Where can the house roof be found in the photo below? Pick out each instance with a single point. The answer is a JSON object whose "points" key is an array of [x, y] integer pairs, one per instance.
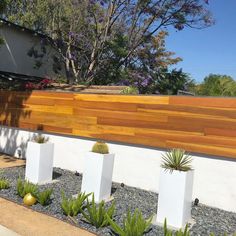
{"points": [[34, 32]]}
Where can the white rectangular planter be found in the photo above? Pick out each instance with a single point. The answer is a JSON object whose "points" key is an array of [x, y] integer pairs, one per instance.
{"points": [[39, 162], [97, 175], [175, 198]]}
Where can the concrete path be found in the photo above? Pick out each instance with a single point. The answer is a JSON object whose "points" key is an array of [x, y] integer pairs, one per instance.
{"points": [[6, 232], [8, 161], [27, 222]]}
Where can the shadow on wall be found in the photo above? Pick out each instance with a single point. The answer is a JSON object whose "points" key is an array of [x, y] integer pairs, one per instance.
{"points": [[13, 113]]}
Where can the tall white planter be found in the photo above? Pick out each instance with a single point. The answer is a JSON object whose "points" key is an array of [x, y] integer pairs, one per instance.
{"points": [[97, 175], [39, 162], [175, 198]]}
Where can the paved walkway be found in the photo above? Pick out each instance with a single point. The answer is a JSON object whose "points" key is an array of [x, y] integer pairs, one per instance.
{"points": [[8, 161], [6, 232], [27, 222]]}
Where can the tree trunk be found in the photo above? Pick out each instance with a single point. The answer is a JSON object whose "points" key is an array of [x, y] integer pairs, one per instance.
{"points": [[69, 78]]}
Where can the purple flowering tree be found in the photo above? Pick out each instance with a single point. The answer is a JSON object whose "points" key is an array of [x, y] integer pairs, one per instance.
{"points": [[83, 30]]}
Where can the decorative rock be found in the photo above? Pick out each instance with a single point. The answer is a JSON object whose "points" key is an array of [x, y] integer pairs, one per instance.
{"points": [[208, 219], [29, 199]]}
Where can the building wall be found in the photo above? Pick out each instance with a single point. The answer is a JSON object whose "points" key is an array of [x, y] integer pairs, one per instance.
{"points": [[14, 56], [214, 177], [136, 128]]}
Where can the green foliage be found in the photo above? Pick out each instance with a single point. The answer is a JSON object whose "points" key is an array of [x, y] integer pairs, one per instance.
{"points": [[170, 82], [73, 206], [176, 159], [3, 5], [133, 225], [1, 41], [40, 138], [4, 184], [98, 41], [24, 187], [100, 147], [98, 215], [217, 85], [130, 90], [168, 232], [44, 197]]}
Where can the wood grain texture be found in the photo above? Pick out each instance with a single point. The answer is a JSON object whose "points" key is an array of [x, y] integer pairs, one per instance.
{"points": [[202, 125]]}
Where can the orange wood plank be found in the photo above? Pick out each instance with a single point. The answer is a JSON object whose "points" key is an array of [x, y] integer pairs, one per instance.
{"points": [[198, 124], [203, 101]]}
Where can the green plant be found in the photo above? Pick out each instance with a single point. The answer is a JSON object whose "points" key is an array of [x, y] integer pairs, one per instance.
{"points": [[24, 187], [168, 232], [133, 225], [176, 159], [44, 197], [98, 215], [100, 147], [40, 138], [73, 206], [4, 184], [130, 90]]}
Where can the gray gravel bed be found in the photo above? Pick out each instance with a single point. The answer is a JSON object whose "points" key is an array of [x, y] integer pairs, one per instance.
{"points": [[207, 219]]}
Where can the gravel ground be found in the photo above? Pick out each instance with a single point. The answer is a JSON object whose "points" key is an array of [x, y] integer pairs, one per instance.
{"points": [[207, 219]]}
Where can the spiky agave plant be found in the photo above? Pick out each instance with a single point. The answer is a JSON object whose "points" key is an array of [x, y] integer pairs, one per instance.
{"points": [[168, 232], [40, 138], [133, 224], [4, 184], [98, 215], [176, 159]]}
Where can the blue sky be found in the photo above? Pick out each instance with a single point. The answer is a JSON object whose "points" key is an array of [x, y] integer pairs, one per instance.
{"points": [[210, 50]]}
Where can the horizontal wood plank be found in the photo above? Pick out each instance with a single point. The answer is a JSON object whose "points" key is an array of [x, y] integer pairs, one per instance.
{"points": [[197, 124]]}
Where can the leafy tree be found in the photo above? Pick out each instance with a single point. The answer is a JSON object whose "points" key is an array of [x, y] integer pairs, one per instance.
{"points": [[217, 85], [89, 34], [2, 8], [162, 81], [171, 82], [150, 58]]}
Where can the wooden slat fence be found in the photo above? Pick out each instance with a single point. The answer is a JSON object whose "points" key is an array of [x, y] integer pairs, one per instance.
{"points": [[202, 125]]}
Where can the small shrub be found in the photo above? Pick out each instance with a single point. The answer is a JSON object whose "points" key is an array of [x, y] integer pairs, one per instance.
{"points": [[40, 138], [44, 197], [133, 225], [130, 90], [176, 159], [168, 232], [100, 147], [98, 215], [24, 187], [4, 184], [73, 206]]}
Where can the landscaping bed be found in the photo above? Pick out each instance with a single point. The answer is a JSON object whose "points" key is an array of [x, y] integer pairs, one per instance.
{"points": [[206, 219]]}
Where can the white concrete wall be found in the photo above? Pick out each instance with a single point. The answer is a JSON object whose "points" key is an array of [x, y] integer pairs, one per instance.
{"points": [[14, 56], [214, 180]]}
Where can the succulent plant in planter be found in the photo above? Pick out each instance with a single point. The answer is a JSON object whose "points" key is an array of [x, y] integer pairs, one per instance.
{"points": [[39, 160], [40, 138], [175, 189], [98, 169], [100, 147], [176, 159]]}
